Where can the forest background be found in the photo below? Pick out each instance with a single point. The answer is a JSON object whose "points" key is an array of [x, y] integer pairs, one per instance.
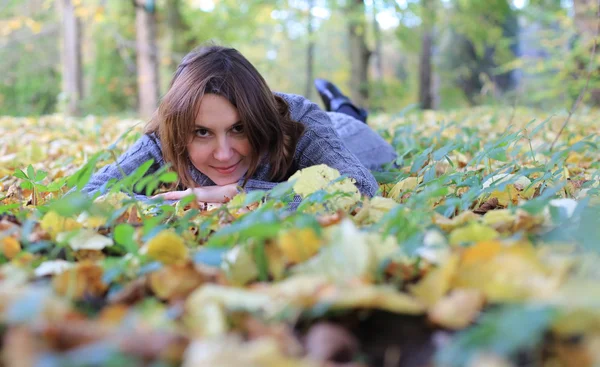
{"points": [[117, 56]]}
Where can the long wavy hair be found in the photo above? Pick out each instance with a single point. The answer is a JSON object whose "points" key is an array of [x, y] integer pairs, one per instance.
{"points": [[226, 72]]}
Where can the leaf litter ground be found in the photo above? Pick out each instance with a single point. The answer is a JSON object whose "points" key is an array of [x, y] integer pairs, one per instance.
{"points": [[481, 249]]}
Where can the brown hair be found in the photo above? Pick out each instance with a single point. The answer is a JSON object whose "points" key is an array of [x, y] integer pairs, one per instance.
{"points": [[224, 71]]}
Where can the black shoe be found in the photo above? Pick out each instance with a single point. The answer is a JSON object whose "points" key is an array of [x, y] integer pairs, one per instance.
{"points": [[332, 97]]}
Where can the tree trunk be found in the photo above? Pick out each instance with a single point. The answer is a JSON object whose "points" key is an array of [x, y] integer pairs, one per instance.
{"points": [[586, 22], [176, 28], [378, 44], [425, 64], [585, 18], [359, 53], [72, 81], [310, 52], [147, 58]]}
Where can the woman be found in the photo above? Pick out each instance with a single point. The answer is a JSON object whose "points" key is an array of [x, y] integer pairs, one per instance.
{"points": [[220, 127]]}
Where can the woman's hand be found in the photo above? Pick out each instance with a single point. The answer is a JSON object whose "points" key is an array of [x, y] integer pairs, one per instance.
{"points": [[206, 194]]}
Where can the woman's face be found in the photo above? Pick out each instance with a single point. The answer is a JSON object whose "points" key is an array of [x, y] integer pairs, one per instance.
{"points": [[219, 147]]}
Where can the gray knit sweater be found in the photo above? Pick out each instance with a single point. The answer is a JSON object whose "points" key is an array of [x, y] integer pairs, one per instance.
{"points": [[320, 144]]}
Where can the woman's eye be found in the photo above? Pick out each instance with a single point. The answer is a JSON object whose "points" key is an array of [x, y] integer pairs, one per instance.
{"points": [[201, 132], [237, 129]]}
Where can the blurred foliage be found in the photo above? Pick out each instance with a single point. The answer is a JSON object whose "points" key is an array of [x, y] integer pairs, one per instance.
{"points": [[485, 52]]}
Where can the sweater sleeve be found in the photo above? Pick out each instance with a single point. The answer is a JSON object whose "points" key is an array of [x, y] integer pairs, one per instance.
{"points": [[144, 149]]}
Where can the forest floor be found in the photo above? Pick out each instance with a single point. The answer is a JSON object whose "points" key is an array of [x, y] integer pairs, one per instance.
{"points": [[480, 250]]}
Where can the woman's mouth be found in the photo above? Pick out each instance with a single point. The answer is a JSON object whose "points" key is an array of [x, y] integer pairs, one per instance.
{"points": [[226, 170]]}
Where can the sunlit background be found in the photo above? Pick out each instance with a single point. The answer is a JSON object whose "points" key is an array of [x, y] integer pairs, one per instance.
{"points": [[386, 55]]}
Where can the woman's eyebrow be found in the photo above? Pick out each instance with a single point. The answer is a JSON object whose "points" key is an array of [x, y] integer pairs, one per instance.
{"points": [[207, 128]]}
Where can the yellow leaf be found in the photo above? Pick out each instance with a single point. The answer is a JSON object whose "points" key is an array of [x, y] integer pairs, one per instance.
{"points": [[408, 184], [505, 272], [10, 247], [371, 296], [501, 220], [348, 254], [167, 247], [54, 224], [481, 252], [239, 265], [85, 239], [436, 283], [319, 177], [374, 209], [472, 232], [230, 351], [299, 245], [175, 281], [85, 279], [450, 224], [458, 309]]}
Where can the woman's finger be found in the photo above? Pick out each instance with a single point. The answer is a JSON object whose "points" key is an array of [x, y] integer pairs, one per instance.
{"points": [[174, 195]]}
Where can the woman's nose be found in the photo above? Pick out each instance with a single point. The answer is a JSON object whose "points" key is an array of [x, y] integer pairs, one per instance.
{"points": [[223, 152]]}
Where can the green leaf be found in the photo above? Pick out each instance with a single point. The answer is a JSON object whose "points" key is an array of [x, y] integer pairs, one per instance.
{"points": [[55, 186], [30, 172], [27, 185], [168, 177], [20, 174], [443, 151], [540, 126], [71, 204], [253, 197], [40, 175], [262, 263], [83, 175], [123, 235]]}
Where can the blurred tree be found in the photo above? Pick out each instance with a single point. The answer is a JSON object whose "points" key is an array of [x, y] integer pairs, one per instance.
{"points": [[480, 37], [72, 79], [587, 24], [359, 52], [110, 72], [177, 30], [310, 50], [428, 10], [378, 49], [147, 57], [29, 57]]}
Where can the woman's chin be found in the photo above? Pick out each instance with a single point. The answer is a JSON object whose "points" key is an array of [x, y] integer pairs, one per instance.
{"points": [[222, 181]]}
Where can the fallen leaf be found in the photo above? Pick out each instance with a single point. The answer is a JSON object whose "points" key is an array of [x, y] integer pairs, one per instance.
{"points": [[298, 245], [175, 281], [472, 232], [10, 247], [85, 279], [319, 177], [167, 247], [458, 309]]}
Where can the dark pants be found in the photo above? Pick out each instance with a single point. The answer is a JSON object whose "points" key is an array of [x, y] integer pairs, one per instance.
{"points": [[351, 111]]}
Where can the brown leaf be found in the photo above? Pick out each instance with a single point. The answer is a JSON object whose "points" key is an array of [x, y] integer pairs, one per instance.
{"points": [[175, 282], [134, 218], [62, 335], [491, 204], [150, 346], [133, 292], [330, 219], [85, 279]]}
